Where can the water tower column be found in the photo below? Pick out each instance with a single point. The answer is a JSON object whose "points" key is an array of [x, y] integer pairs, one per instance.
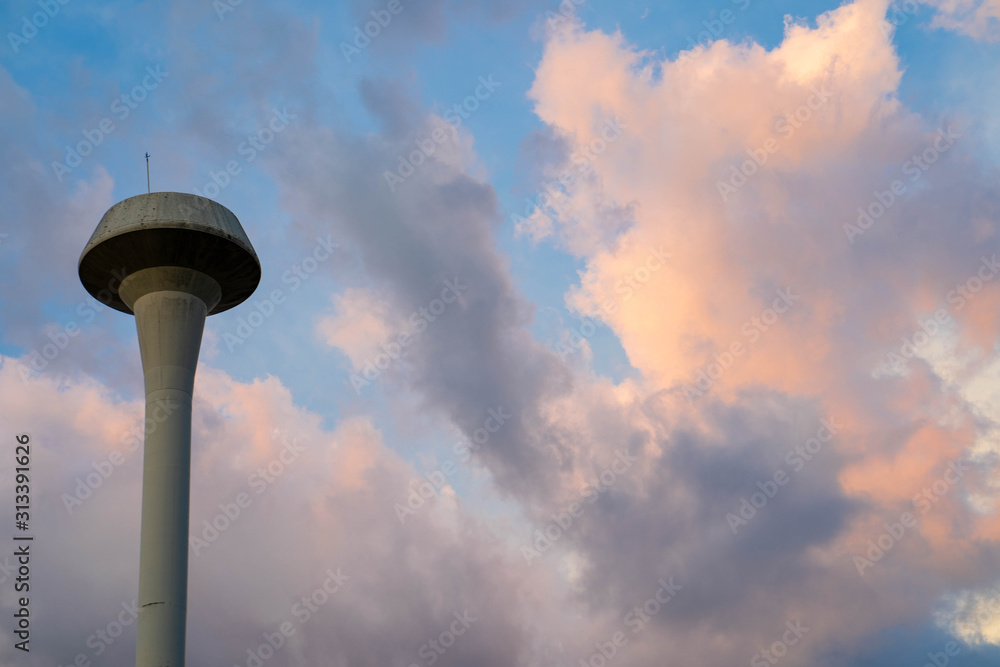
{"points": [[171, 259], [170, 306]]}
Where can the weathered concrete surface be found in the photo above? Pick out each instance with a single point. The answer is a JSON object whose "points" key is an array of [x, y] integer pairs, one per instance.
{"points": [[169, 229]]}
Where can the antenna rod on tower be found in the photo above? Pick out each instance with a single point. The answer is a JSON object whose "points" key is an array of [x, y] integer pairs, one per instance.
{"points": [[147, 172]]}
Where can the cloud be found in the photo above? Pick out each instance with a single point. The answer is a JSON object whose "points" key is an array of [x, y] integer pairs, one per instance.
{"points": [[419, 22], [358, 325], [979, 19], [404, 582], [46, 254], [714, 238], [750, 165], [772, 270]]}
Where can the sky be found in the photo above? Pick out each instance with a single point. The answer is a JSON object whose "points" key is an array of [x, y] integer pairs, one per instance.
{"points": [[608, 334]]}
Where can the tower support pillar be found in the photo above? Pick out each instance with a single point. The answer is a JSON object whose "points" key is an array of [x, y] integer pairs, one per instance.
{"points": [[170, 306]]}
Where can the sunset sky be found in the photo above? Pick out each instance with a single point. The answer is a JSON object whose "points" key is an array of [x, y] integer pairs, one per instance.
{"points": [[620, 334]]}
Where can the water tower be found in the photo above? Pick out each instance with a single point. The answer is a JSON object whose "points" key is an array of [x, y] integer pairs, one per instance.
{"points": [[171, 259]]}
